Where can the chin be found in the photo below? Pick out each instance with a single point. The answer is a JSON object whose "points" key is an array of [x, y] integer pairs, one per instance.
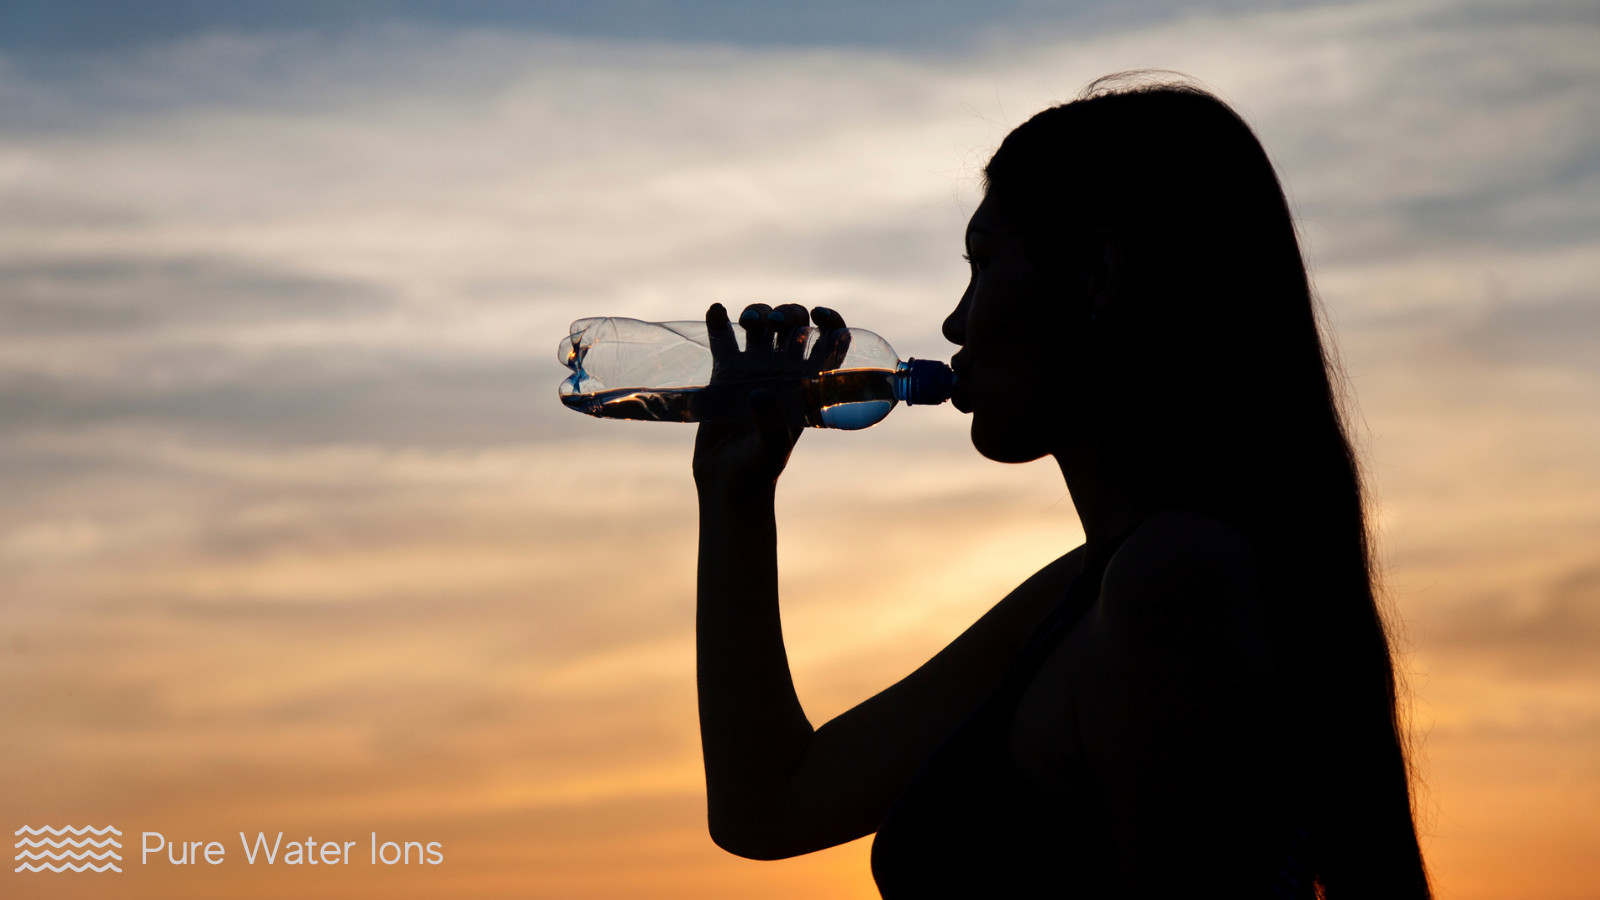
{"points": [[1004, 448]]}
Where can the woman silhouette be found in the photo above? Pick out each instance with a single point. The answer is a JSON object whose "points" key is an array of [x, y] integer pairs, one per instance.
{"points": [[1201, 698]]}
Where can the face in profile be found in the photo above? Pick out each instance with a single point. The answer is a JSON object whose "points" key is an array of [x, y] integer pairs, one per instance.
{"points": [[1016, 327]]}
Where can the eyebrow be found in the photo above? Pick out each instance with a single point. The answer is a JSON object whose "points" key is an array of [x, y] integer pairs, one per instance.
{"points": [[975, 228]]}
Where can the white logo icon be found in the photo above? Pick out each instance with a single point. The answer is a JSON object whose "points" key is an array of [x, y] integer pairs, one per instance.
{"points": [[59, 849]]}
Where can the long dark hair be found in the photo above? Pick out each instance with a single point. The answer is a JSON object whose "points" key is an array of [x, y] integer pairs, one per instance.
{"points": [[1211, 386]]}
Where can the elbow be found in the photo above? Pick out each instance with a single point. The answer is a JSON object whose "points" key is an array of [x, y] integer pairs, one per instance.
{"points": [[741, 845], [749, 839]]}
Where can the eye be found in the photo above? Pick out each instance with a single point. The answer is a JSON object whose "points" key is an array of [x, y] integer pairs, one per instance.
{"points": [[971, 262]]}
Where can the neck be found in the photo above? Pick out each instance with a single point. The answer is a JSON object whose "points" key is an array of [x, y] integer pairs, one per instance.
{"points": [[1104, 508]]}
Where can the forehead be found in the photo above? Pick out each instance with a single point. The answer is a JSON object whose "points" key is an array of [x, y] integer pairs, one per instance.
{"points": [[986, 219], [990, 221]]}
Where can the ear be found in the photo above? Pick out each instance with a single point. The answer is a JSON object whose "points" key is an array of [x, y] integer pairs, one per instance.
{"points": [[1105, 262]]}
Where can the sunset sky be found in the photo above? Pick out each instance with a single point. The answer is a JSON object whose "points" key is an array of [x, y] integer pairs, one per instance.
{"points": [[297, 537]]}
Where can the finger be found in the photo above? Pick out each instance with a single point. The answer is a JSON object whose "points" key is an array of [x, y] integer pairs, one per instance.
{"points": [[832, 350], [826, 319], [835, 341], [792, 315], [719, 334], [791, 319], [757, 330]]}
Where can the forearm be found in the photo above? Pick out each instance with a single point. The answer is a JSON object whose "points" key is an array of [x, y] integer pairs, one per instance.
{"points": [[753, 731]]}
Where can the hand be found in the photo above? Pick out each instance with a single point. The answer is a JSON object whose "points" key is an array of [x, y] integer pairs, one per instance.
{"points": [[743, 452]]}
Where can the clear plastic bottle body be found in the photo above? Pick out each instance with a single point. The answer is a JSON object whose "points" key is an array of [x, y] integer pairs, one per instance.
{"points": [[661, 372]]}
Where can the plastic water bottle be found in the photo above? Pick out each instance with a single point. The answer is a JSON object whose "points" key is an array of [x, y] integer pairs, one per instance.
{"points": [[661, 372]]}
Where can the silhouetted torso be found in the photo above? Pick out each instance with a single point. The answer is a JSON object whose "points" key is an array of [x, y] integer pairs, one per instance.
{"points": [[972, 825]]}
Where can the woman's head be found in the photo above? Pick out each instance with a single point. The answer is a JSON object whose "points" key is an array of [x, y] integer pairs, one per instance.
{"points": [[1154, 209], [1156, 286]]}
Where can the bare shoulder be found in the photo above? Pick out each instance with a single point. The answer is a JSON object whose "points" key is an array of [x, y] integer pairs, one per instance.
{"points": [[1173, 646], [1013, 620], [1184, 569], [1175, 704]]}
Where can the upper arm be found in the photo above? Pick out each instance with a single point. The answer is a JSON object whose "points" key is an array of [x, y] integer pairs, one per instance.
{"points": [[1174, 703], [857, 764]]}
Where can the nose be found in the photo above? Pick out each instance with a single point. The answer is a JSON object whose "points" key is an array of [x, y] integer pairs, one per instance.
{"points": [[955, 324]]}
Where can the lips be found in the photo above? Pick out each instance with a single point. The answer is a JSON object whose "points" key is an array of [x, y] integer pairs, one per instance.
{"points": [[961, 391]]}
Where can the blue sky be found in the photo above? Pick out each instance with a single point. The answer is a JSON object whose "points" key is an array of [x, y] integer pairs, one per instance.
{"points": [[900, 25]]}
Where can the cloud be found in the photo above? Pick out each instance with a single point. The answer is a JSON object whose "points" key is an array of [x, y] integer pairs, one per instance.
{"points": [[1563, 332], [1553, 632], [459, 195], [87, 296], [293, 511], [291, 396], [99, 26]]}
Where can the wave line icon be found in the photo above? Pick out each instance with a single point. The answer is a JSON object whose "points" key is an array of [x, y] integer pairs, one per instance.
{"points": [[99, 847], [25, 842]]}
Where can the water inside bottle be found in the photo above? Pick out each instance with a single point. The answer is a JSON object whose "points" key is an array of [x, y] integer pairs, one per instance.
{"points": [[642, 404], [843, 398]]}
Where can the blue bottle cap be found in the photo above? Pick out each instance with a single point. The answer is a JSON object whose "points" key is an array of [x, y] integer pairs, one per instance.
{"points": [[923, 382]]}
